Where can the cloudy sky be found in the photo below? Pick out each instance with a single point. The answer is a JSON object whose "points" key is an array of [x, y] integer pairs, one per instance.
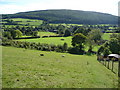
{"points": [[14, 6]]}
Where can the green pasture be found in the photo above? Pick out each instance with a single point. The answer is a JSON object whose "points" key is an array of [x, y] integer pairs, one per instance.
{"points": [[22, 68], [66, 24], [46, 34], [50, 40], [106, 36], [58, 41], [28, 21]]}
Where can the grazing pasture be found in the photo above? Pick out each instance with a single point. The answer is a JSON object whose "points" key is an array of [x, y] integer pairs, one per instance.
{"points": [[51, 40], [60, 40], [28, 21], [106, 36], [23, 68], [46, 34]]}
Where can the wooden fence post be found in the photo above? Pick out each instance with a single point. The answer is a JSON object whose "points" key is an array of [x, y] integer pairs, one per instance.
{"points": [[108, 64], [118, 67], [105, 62], [112, 64]]}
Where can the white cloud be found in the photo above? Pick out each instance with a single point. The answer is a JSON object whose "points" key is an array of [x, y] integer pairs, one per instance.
{"points": [[106, 6]]}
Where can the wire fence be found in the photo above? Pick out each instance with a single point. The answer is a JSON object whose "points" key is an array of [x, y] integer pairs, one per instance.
{"points": [[110, 63]]}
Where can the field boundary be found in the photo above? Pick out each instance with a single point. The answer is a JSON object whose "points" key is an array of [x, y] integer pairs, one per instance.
{"points": [[27, 37]]}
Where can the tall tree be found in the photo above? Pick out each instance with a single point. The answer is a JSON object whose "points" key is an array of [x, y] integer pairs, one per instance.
{"points": [[7, 34], [34, 33], [78, 41], [114, 46], [67, 33], [106, 51], [95, 35], [65, 46], [16, 33]]}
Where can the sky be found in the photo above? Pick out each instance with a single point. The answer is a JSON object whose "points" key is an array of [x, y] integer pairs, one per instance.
{"points": [[15, 6]]}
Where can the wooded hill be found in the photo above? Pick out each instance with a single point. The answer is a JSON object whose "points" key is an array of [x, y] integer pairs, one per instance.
{"points": [[67, 16]]}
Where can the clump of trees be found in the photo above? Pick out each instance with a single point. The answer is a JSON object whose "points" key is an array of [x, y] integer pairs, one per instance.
{"points": [[10, 22], [78, 43], [12, 34], [17, 32], [94, 37], [111, 46], [82, 38]]}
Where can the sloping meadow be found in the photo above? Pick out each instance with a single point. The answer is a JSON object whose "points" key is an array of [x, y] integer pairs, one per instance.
{"points": [[23, 68]]}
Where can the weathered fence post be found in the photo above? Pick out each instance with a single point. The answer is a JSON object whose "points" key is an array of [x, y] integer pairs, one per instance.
{"points": [[108, 64], [112, 64], [105, 61], [118, 67]]}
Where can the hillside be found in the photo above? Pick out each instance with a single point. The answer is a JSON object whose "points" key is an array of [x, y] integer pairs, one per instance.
{"points": [[27, 69], [67, 16]]}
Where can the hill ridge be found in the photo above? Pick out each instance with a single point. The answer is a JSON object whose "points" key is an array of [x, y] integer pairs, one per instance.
{"points": [[68, 16]]}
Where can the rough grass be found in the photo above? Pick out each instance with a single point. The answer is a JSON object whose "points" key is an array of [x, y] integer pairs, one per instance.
{"points": [[27, 69]]}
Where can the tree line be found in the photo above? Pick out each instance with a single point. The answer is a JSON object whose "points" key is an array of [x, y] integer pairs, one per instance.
{"points": [[79, 40], [36, 46], [111, 46]]}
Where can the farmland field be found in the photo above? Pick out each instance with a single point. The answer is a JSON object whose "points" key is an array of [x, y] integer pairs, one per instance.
{"points": [[27, 21], [106, 36], [57, 40], [51, 40], [46, 34], [27, 69]]}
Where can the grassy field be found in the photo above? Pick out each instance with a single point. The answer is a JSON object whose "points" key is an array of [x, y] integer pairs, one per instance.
{"points": [[27, 69], [106, 36], [51, 40], [26, 21], [46, 34], [57, 40]]}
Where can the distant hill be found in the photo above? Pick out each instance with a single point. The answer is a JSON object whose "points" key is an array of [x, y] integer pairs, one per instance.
{"points": [[67, 16]]}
